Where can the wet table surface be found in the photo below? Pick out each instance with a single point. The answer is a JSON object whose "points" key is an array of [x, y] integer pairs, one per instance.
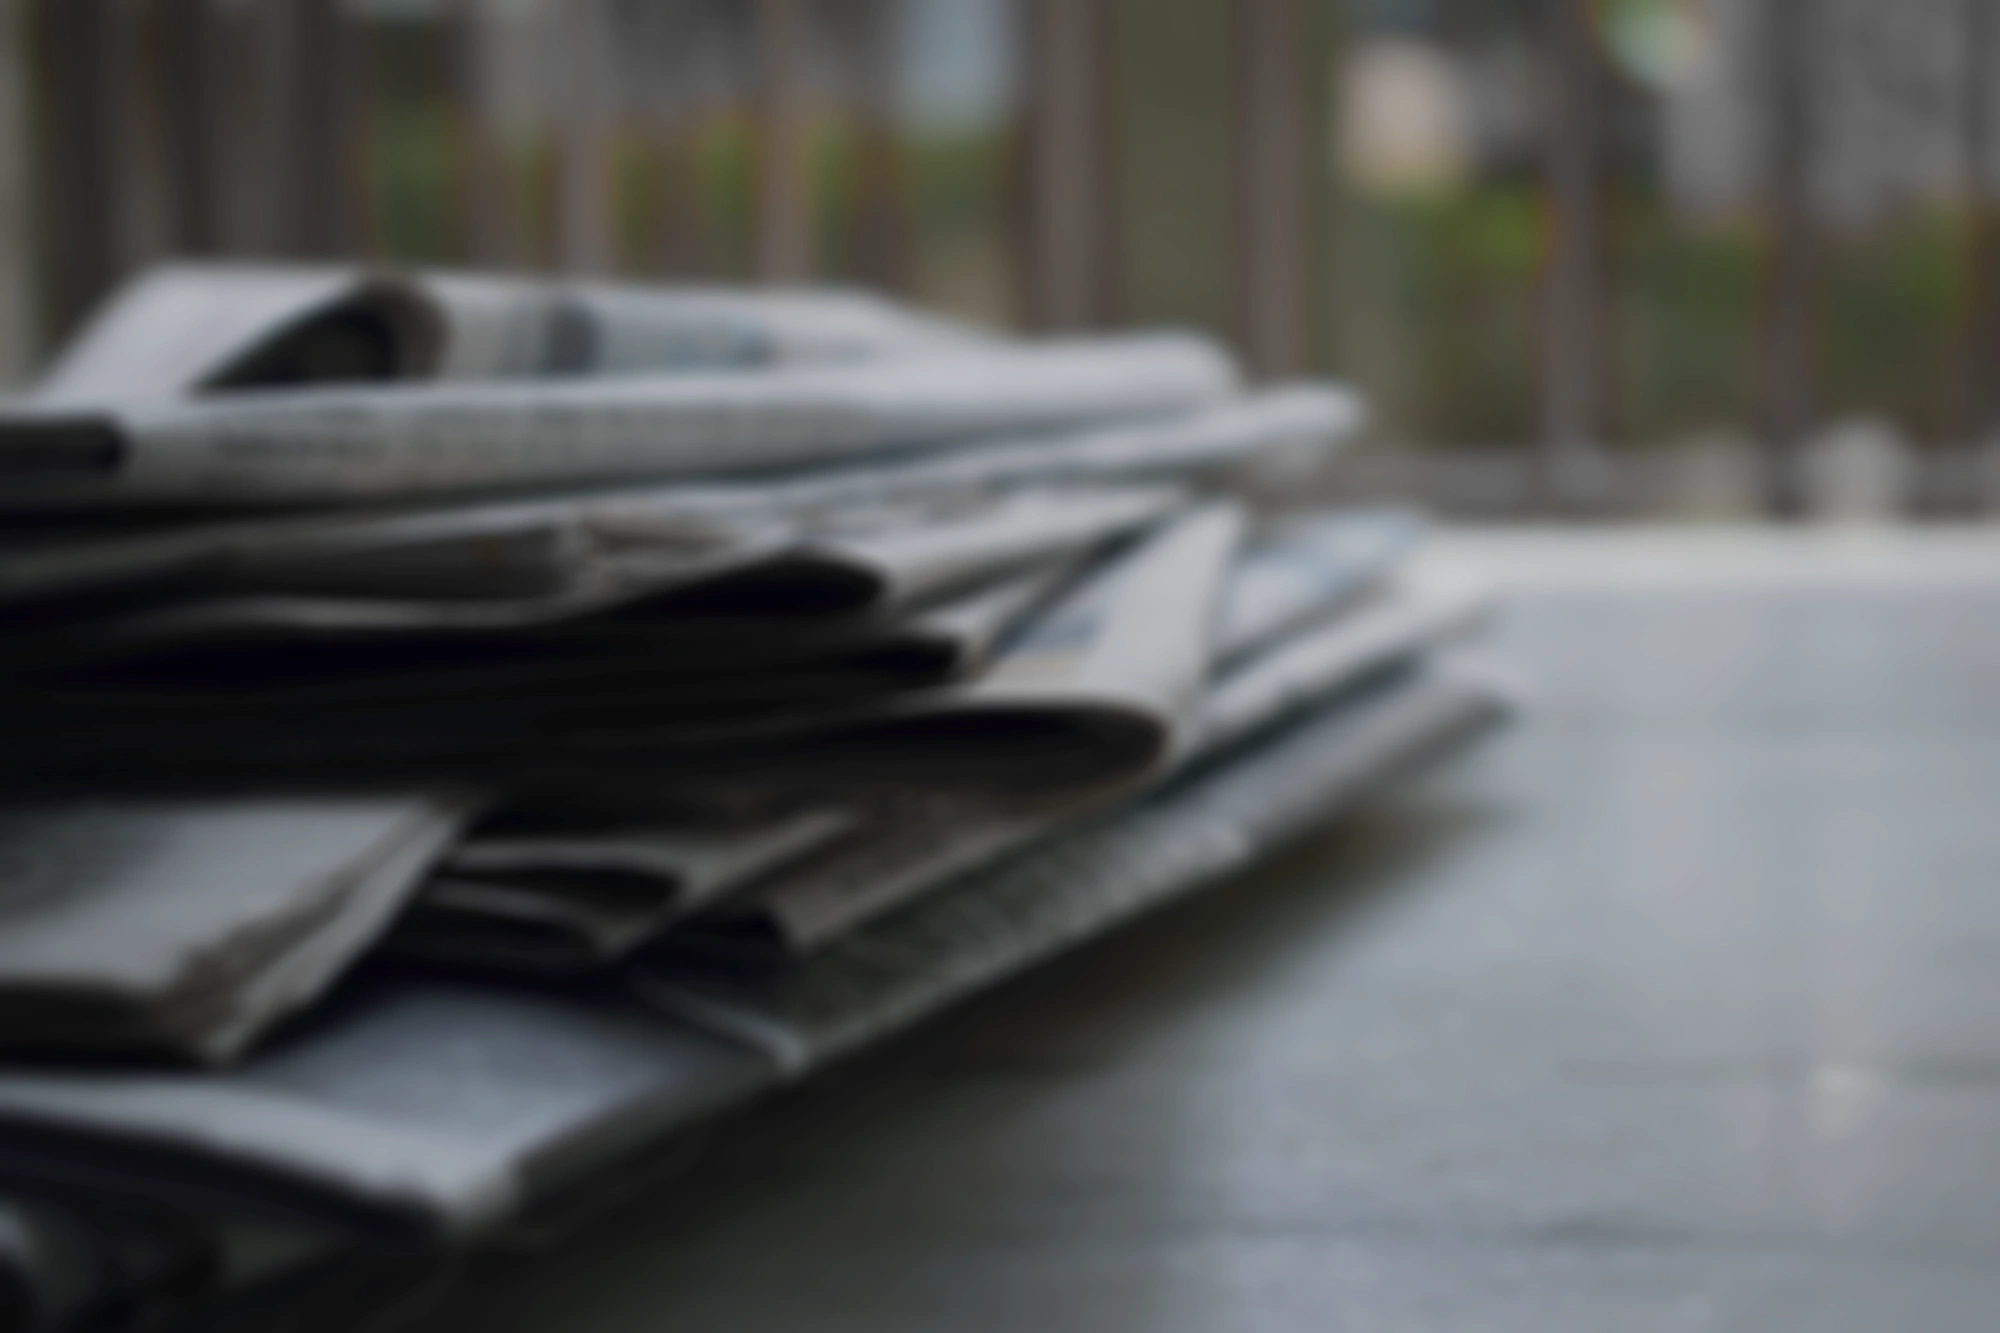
{"points": [[1675, 1007]]}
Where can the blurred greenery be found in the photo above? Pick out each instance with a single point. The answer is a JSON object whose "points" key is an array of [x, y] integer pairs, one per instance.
{"points": [[410, 151], [1684, 303], [956, 187], [1456, 354], [410, 162], [1436, 293], [1169, 99], [1684, 309], [1890, 305], [962, 224]]}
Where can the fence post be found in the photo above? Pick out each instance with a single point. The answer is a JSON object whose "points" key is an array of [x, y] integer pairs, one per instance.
{"points": [[685, 39], [783, 242], [322, 158], [185, 74], [1786, 389], [1572, 364], [1275, 194], [1065, 199], [879, 218], [1977, 360], [482, 214], [16, 235], [682, 245], [584, 240], [76, 154]]}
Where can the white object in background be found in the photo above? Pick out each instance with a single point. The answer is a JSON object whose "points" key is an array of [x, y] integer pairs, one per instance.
{"points": [[1858, 471]]}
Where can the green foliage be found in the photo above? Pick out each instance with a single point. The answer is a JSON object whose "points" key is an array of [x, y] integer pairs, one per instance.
{"points": [[411, 165], [1685, 306], [1454, 317], [1461, 269], [958, 182], [1169, 95], [1889, 307], [409, 148], [724, 157], [1434, 296]]}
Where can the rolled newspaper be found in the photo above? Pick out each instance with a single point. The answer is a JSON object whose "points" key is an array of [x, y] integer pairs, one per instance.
{"points": [[353, 444]]}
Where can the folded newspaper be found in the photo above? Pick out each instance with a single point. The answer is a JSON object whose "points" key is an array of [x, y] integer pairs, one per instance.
{"points": [[1280, 622], [194, 328], [354, 443], [466, 732], [190, 924]]}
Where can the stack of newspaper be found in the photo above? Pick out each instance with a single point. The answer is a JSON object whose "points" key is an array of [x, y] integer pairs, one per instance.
{"points": [[465, 731]]}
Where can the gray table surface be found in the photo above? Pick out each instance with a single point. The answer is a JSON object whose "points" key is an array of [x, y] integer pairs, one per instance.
{"points": [[1676, 1007]]}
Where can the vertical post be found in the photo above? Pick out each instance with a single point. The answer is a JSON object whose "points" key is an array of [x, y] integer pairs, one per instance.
{"points": [[136, 171], [16, 235], [1064, 150], [681, 242], [1786, 389], [186, 72], [481, 215], [76, 160], [246, 127], [783, 240], [683, 40], [1572, 336], [880, 220], [1973, 409], [322, 203], [585, 242], [1274, 186]]}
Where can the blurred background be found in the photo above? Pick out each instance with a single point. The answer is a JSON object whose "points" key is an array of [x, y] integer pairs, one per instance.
{"points": [[1701, 259]]}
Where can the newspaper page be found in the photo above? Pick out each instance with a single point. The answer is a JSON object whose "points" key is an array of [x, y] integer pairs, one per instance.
{"points": [[347, 444], [167, 331], [185, 328], [1289, 429], [1302, 574], [515, 547], [745, 596], [412, 1111], [1089, 696], [186, 926], [578, 887], [618, 328], [1089, 693], [441, 325], [431, 1109], [1306, 570], [914, 845], [699, 669], [680, 685], [1005, 917], [566, 900]]}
